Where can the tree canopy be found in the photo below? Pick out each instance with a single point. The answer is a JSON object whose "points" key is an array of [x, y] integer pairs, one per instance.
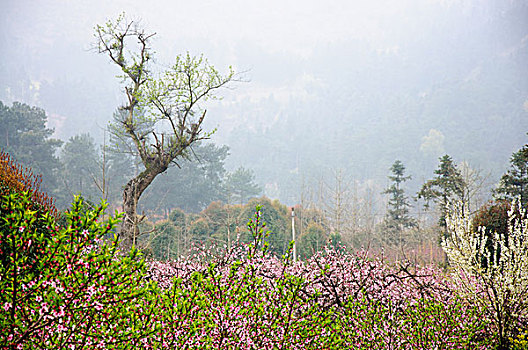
{"points": [[241, 186], [191, 186], [514, 183], [26, 138], [81, 167], [397, 218], [447, 185]]}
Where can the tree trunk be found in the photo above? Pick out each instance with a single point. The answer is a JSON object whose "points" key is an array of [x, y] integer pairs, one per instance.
{"points": [[131, 194]]}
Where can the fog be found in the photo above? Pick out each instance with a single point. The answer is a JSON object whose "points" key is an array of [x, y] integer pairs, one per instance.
{"points": [[329, 85]]}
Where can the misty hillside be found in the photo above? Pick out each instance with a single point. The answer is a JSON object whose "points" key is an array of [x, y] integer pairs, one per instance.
{"points": [[355, 92], [459, 87]]}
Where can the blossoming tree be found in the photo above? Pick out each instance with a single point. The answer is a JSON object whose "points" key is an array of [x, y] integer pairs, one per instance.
{"points": [[501, 285]]}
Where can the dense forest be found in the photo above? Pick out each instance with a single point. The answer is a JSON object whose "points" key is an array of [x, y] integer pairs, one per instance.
{"points": [[198, 200]]}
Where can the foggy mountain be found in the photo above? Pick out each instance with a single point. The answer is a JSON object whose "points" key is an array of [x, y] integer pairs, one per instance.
{"points": [[343, 85]]}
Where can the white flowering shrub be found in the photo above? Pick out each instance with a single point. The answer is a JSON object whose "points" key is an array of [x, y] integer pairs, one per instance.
{"points": [[501, 286]]}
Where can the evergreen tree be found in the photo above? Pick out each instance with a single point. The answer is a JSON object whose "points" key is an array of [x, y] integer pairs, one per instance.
{"points": [[164, 243], [81, 167], [240, 185], [312, 240], [26, 138], [446, 186], [193, 185], [397, 218], [514, 184]]}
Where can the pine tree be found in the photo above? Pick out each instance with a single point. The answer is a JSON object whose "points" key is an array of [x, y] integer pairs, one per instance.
{"points": [[24, 135], [397, 218], [446, 186], [241, 186], [514, 184]]}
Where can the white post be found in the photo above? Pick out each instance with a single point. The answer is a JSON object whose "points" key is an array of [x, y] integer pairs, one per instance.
{"points": [[293, 235]]}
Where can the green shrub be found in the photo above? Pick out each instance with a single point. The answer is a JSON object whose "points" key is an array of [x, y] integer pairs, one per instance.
{"points": [[66, 287]]}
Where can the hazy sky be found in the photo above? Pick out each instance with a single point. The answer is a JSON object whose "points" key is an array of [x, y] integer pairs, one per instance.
{"points": [[274, 40], [217, 28], [51, 39], [293, 26]]}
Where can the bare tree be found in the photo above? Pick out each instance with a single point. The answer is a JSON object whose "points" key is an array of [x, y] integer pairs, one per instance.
{"points": [[338, 204], [162, 115], [476, 189]]}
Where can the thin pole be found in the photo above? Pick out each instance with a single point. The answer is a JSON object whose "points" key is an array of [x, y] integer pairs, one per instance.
{"points": [[293, 235]]}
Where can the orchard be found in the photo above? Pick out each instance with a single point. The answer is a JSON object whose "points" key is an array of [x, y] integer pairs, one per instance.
{"points": [[65, 283]]}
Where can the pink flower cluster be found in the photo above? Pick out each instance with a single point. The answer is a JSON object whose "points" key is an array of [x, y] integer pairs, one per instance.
{"points": [[337, 299], [71, 290]]}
